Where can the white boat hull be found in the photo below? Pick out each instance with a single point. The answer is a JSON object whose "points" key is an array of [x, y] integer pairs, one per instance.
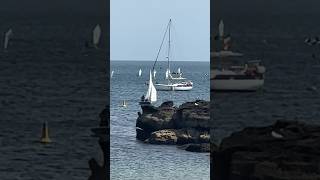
{"points": [[163, 87], [236, 84]]}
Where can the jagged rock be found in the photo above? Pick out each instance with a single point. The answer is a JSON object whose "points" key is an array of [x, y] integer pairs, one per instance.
{"points": [[178, 136], [192, 135], [193, 115], [256, 153], [166, 136], [156, 121], [170, 125]]}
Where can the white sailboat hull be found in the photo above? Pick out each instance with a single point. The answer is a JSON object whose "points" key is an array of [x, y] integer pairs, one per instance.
{"points": [[236, 84], [165, 87]]}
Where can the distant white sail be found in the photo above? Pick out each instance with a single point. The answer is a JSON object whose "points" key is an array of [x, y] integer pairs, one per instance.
{"points": [[140, 72], [7, 37], [221, 28], [112, 73], [179, 71], [154, 73], [151, 95], [96, 35], [167, 73]]}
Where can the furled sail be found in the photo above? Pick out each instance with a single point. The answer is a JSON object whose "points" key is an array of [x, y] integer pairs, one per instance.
{"points": [[7, 37], [221, 29], [167, 73], [96, 35], [151, 95]]}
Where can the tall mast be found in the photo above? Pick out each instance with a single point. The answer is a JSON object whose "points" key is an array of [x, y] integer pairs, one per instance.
{"points": [[169, 45]]}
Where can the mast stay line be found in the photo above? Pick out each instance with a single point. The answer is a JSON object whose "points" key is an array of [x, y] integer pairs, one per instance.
{"points": [[161, 45]]}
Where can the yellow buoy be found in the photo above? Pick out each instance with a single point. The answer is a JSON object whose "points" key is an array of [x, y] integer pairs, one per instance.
{"points": [[45, 134]]}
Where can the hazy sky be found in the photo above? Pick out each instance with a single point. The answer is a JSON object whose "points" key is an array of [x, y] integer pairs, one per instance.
{"points": [[137, 28]]}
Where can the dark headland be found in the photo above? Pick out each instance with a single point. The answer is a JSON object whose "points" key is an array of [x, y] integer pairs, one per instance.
{"points": [[286, 150], [186, 126]]}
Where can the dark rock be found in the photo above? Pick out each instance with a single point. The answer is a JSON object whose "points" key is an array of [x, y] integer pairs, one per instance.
{"points": [[285, 150], [202, 147], [104, 117], [167, 104], [101, 171], [142, 135], [193, 115], [160, 119], [166, 136], [178, 136], [170, 125]]}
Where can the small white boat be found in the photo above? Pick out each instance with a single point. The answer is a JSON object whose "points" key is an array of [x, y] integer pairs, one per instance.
{"points": [[182, 86], [124, 103]]}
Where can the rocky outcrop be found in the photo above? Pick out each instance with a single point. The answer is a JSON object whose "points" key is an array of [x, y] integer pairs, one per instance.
{"points": [[192, 115], [287, 150], [166, 124]]}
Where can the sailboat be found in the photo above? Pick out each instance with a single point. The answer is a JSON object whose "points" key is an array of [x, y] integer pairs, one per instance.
{"points": [[173, 82], [226, 44], [247, 77], [7, 37], [151, 95], [124, 103], [140, 73], [96, 35], [112, 72]]}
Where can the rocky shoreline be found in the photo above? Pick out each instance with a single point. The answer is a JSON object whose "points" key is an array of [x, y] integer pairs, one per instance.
{"points": [[186, 126], [286, 150]]}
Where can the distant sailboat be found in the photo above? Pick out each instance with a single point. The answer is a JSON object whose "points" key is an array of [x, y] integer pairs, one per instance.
{"points": [[175, 81], [112, 72], [179, 71], [124, 103], [7, 37], [151, 95], [226, 41], [140, 73], [154, 73], [152, 92], [96, 35], [221, 29]]}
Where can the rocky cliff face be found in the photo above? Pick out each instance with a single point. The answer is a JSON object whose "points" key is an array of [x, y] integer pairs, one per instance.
{"points": [[187, 124], [287, 150]]}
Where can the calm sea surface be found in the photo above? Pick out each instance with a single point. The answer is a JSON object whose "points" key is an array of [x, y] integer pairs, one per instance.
{"points": [[132, 159], [47, 75]]}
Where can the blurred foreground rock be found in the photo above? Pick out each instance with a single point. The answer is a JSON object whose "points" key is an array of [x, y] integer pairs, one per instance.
{"points": [[101, 172], [287, 150]]}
